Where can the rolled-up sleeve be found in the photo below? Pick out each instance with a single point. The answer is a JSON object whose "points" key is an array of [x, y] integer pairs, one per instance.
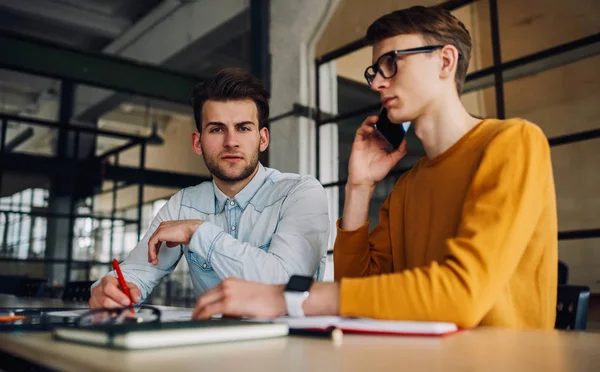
{"points": [[136, 268], [297, 246]]}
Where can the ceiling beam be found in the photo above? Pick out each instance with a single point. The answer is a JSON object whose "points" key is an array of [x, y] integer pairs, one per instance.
{"points": [[175, 35], [75, 17], [51, 60]]}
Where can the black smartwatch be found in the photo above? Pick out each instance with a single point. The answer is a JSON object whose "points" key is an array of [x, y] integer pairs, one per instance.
{"points": [[296, 292]]}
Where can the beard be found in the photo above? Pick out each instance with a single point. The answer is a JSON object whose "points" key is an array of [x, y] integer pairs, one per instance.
{"points": [[221, 173]]}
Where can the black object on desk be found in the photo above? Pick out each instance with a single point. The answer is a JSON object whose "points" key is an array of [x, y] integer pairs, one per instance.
{"points": [[158, 334]]}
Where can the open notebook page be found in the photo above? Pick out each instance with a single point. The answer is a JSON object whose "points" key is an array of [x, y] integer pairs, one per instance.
{"points": [[371, 325]]}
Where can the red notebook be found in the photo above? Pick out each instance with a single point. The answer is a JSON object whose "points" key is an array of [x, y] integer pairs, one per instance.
{"points": [[371, 326]]}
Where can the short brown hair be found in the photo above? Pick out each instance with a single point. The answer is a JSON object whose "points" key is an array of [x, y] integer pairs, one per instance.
{"points": [[434, 24], [230, 84]]}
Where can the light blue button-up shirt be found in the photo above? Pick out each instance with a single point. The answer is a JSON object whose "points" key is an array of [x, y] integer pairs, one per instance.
{"points": [[275, 227]]}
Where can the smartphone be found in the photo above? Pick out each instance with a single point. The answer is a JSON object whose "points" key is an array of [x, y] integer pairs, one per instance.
{"points": [[392, 133]]}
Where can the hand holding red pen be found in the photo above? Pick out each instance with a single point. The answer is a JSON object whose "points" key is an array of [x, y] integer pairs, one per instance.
{"points": [[108, 294]]}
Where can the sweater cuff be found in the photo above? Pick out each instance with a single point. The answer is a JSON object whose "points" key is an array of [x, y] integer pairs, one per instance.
{"points": [[348, 236], [357, 297]]}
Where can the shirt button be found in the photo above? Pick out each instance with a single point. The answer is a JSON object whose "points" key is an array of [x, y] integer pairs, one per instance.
{"points": [[204, 265], [231, 202], [232, 227]]}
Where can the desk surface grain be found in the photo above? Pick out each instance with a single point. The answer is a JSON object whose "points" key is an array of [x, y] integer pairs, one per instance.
{"points": [[476, 350]]}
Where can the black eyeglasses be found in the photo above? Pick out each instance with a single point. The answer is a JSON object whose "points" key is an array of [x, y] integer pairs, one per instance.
{"points": [[386, 64], [137, 314]]}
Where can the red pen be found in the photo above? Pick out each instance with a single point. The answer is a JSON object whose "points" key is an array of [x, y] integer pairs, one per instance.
{"points": [[121, 279]]}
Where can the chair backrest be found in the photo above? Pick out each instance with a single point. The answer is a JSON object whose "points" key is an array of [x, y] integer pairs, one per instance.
{"points": [[563, 273], [29, 287], [77, 291], [9, 284], [572, 307]]}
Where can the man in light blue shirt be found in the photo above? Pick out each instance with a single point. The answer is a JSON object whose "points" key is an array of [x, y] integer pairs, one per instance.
{"points": [[251, 222]]}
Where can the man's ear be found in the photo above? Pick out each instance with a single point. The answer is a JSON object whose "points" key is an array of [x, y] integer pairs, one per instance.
{"points": [[264, 139], [449, 62], [196, 144]]}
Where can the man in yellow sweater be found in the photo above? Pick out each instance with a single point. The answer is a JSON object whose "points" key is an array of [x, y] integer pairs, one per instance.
{"points": [[468, 235]]}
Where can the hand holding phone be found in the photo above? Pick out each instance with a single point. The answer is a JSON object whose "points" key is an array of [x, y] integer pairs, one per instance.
{"points": [[373, 156], [392, 133]]}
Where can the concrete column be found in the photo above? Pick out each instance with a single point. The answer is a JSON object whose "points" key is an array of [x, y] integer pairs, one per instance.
{"points": [[296, 26]]}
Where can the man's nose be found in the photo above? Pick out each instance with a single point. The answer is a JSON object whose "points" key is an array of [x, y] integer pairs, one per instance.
{"points": [[379, 82], [231, 139]]}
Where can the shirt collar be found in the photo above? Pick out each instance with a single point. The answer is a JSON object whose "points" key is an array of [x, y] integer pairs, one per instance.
{"points": [[246, 194]]}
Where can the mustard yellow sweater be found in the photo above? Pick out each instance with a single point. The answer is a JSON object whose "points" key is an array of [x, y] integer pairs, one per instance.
{"points": [[469, 237]]}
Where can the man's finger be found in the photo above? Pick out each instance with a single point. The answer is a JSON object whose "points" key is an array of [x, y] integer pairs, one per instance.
{"points": [[155, 250], [402, 147], [365, 131], [367, 126], [207, 311], [108, 303], [370, 120], [210, 297], [153, 247], [94, 303], [135, 292], [399, 153], [172, 244], [151, 243], [116, 294]]}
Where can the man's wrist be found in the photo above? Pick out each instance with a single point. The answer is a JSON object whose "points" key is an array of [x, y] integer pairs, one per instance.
{"points": [[296, 292], [360, 189], [356, 206], [281, 305], [193, 226], [324, 299]]}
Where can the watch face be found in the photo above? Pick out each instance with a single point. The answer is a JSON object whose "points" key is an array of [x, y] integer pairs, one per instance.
{"points": [[299, 283]]}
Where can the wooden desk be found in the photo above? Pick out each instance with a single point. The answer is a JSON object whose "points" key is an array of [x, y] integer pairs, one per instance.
{"points": [[484, 349]]}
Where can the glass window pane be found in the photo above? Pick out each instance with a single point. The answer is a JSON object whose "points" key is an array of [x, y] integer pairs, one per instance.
{"points": [[476, 18], [575, 168], [582, 257], [480, 103], [530, 26], [28, 95], [352, 66], [561, 101], [25, 138]]}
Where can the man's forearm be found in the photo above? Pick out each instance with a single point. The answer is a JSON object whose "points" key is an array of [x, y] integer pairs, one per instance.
{"points": [[356, 206], [324, 299]]}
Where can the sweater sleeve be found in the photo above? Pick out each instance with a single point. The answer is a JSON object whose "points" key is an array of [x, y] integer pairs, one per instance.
{"points": [[501, 210], [357, 253]]}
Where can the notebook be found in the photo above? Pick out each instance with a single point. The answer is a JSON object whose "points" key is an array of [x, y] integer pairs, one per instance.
{"points": [[371, 326], [153, 335]]}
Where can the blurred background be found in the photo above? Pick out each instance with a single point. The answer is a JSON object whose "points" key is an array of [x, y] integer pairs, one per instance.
{"points": [[95, 122]]}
